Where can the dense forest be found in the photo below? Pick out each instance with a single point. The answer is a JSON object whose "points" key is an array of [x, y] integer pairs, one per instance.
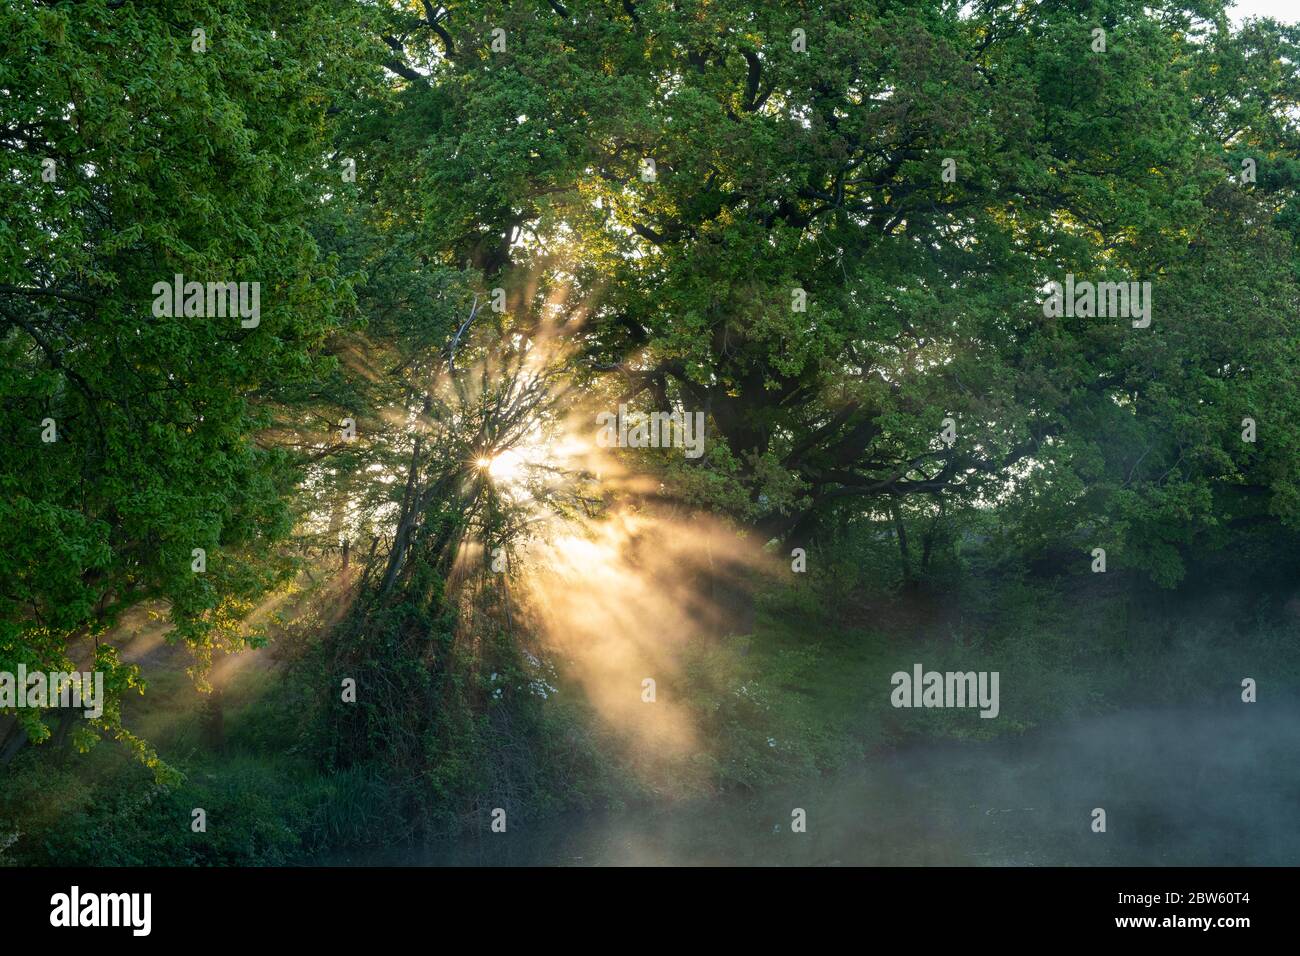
{"points": [[429, 415]]}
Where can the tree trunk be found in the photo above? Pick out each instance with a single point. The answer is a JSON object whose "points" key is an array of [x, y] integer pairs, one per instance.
{"points": [[213, 721], [900, 532]]}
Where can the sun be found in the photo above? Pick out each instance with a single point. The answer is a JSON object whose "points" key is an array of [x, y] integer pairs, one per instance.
{"points": [[504, 468]]}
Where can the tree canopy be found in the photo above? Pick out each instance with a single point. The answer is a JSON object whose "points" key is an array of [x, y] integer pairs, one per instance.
{"points": [[799, 267], [829, 227]]}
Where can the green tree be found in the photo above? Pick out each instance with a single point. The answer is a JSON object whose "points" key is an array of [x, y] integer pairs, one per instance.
{"points": [[142, 141], [798, 154]]}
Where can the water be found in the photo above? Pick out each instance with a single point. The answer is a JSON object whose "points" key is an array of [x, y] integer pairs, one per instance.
{"points": [[1179, 788]]}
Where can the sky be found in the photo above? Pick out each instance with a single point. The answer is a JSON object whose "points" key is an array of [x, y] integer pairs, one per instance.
{"points": [[1287, 11]]}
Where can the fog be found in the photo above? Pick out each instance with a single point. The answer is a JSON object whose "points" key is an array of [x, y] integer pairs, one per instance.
{"points": [[1180, 787]]}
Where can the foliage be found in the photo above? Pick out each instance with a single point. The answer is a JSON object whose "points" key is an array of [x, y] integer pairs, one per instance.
{"points": [[167, 161], [732, 208]]}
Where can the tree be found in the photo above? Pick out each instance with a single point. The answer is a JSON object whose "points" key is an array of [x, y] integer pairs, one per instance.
{"points": [[139, 147], [799, 266]]}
